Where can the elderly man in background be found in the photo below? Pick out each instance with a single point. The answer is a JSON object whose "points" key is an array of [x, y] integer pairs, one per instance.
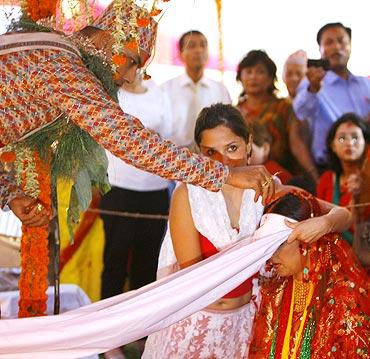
{"points": [[192, 91]]}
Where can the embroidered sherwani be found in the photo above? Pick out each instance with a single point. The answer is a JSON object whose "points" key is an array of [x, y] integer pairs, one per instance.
{"points": [[42, 76]]}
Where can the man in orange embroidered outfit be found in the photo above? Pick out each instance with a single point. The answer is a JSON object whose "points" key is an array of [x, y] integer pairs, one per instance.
{"points": [[43, 77]]}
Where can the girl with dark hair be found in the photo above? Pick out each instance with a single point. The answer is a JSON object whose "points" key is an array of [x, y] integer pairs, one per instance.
{"points": [[315, 304], [346, 143], [203, 223], [258, 103]]}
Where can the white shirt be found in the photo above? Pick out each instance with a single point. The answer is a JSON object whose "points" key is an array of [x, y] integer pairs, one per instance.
{"points": [[181, 95], [153, 109]]}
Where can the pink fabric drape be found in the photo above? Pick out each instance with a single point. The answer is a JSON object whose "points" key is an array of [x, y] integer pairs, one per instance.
{"points": [[119, 320]]}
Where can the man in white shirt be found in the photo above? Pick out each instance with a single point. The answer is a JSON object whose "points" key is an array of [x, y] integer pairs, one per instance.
{"points": [[192, 91], [132, 244], [133, 241]]}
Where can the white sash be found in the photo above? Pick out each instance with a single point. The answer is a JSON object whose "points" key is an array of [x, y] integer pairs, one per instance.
{"points": [[122, 319]]}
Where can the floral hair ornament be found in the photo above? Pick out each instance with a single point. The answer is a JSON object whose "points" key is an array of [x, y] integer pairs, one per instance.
{"points": [[66, 16], [39, 9], [132, 26], [130, 22]]}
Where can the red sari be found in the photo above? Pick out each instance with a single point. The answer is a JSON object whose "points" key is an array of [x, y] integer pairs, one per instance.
{"points": [[329, 189], [335, 321], [338, 323], [326, 186], [277, 116]]}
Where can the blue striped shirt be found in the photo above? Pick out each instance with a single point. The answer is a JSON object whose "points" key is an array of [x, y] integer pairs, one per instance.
{"points": [[336, 97]]}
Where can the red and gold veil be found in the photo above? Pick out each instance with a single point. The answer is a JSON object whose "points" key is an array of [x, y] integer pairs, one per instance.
{"points": [[339, 311]]}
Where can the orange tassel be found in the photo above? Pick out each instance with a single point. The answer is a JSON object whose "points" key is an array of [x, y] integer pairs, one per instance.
{"points": [[132, 45], [155, 12], [8, 157], [40, 9], [142, 22], [33, 281], [119, 59]]}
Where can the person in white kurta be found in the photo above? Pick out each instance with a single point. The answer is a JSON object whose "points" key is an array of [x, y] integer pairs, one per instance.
{"points": [[192, 91], [132, 244]]}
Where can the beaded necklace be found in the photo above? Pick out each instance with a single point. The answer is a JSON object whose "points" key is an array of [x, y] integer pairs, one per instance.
{"points": [[301, 295], [301, 291]]}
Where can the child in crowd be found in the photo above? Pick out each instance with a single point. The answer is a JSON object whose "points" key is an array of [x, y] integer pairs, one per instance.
{"points": [[260, 153], [343, 183]]}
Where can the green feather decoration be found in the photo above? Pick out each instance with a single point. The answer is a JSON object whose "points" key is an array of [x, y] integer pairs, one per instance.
{"points": [[74, 153]]}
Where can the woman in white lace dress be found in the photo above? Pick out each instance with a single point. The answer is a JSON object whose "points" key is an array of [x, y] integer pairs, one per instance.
{"points": [[203, 223]]}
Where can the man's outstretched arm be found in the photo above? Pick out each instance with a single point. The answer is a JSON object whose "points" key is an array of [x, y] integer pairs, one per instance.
{"points": [[69, 86]]}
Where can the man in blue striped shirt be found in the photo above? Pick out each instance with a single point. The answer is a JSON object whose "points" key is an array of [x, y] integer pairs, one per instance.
{"points": [[323, 96]]}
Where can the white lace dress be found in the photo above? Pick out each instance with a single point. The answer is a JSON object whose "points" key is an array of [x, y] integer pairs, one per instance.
{"points": [[209, 333]]}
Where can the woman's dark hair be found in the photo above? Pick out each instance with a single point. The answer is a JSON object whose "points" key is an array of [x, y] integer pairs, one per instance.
{"points": [[220, 114], [298, 205], [350, 117], [305, 182], [255, 57]]}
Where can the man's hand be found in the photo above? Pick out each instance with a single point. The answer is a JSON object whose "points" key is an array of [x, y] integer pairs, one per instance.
{"points": [[29, 211], [253, 177], [315, 76]]}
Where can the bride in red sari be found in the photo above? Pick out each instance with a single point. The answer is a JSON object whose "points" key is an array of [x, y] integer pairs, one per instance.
{"points": [[316, 304]]}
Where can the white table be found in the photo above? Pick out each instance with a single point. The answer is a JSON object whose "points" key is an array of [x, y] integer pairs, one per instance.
{"points": [[10, 233], [71, 297], [10, 225]]}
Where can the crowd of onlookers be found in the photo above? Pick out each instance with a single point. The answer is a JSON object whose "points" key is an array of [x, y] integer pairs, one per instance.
{"points": [[317, 139], [312, 281]]}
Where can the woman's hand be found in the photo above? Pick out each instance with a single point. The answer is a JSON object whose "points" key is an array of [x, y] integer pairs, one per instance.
{"points": [[309, 230]]}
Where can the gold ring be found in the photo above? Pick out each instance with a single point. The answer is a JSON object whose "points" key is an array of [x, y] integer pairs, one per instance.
{"points": [[39, 207], [267, 182]]}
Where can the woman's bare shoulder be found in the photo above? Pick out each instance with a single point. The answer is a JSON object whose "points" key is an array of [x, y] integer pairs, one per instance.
{"points": [[180, 192]]}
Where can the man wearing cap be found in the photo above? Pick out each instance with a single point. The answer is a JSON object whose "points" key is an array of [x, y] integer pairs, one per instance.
{"points": [[44, 77]]}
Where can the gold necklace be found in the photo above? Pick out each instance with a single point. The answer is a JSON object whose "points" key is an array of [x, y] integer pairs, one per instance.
{"points": [[301, 290]]}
